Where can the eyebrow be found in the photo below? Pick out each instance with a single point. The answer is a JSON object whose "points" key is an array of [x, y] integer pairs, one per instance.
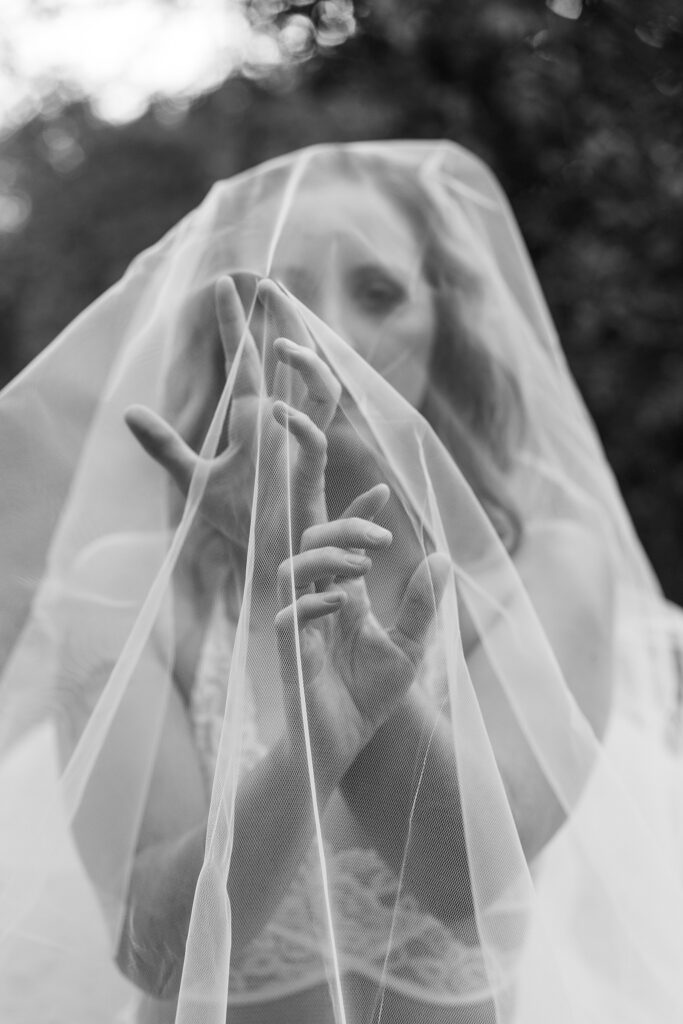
{"points": [[303, 278], [368, 262]]}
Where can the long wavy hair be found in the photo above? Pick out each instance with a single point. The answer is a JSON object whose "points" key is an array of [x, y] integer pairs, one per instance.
{"points": [[473, 402]]}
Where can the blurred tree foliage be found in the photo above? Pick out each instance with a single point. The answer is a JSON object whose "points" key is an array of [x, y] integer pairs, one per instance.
{"points": [[582, 120]]}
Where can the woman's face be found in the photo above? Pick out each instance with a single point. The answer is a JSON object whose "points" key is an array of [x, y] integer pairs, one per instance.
{"points": [[352, 257]]}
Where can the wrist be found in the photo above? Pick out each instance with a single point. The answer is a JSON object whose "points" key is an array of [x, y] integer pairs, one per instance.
{"points": [[328, 766], [151, 942]]}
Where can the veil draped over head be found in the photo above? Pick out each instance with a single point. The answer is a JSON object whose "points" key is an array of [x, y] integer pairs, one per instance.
{"points": [[336, 686]]}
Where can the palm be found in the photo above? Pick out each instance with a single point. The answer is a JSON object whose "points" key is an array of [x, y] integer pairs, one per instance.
{"points": [[372, 667], [357, 673], [229, 500]]}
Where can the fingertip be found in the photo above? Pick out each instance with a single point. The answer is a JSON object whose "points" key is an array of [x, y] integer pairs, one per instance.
{"points": [[280, 616], [378, 536], [267, 287], [137, 418], [382, 493], [283, 348], [282, 412], [132, 412], [287, 415], [368, 504], [148, 429], [272, 292], [225, 285], [224, 291]]}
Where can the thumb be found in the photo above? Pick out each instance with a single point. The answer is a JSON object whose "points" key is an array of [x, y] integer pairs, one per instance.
{"points": [[162, 443], [420, 604], [369, 504]]}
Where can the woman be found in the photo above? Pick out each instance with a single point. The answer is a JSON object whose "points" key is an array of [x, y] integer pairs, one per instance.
{"points": [[310, 784]]}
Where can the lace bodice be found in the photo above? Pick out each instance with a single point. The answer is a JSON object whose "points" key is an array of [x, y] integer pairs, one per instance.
{"points": [[288, 955]]}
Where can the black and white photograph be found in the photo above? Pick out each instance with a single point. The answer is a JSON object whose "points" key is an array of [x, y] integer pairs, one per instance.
{"points": [[341, 512]]}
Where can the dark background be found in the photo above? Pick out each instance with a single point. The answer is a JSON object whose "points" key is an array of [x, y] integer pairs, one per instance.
{"points": [[582, 121]]}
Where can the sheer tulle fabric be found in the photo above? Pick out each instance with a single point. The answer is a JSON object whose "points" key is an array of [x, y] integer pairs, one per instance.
{"points": [[109, 570]]}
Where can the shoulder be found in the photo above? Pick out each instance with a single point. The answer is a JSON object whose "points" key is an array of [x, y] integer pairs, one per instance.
{"points": [[92, 620], [569, 578], [568, 561]]}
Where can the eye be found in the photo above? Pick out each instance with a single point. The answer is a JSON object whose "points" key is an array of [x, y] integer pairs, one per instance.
{"points": [[375, 290]]}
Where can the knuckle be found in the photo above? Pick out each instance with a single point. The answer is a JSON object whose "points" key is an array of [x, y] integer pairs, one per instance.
{"points": [[352, 532], [328, 558]]}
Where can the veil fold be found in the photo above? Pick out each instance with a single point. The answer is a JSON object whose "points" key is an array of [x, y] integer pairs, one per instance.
{"points": [[244, 777]]}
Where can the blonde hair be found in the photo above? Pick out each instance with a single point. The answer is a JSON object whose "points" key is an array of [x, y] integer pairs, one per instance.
{"points": [[473, 402]]}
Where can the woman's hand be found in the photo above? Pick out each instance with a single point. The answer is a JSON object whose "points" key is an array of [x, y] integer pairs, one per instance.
{"points": [[354, 672], [226, 477], [311, 595], [226, 481]]}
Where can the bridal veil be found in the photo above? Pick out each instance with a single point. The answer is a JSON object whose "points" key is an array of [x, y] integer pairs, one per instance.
{"points": [[112, 574]]}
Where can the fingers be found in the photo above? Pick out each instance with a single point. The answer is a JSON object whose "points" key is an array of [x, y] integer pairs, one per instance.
{"points": [[282, 313], [352, 532], [306, 609], [369, 504], [323, 390], [163, 444], [319, 566], [419, 606], [295, 616], [310, 466], [355, 458], [278, 316], [234, 332], [295, 348]]}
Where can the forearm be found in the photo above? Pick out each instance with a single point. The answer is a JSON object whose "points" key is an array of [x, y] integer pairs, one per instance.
{"points": [[576, 619], [271, 837], [412, 803]]}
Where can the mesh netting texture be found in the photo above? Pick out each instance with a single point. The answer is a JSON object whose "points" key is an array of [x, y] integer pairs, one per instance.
{"points": [[336, 686]]}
